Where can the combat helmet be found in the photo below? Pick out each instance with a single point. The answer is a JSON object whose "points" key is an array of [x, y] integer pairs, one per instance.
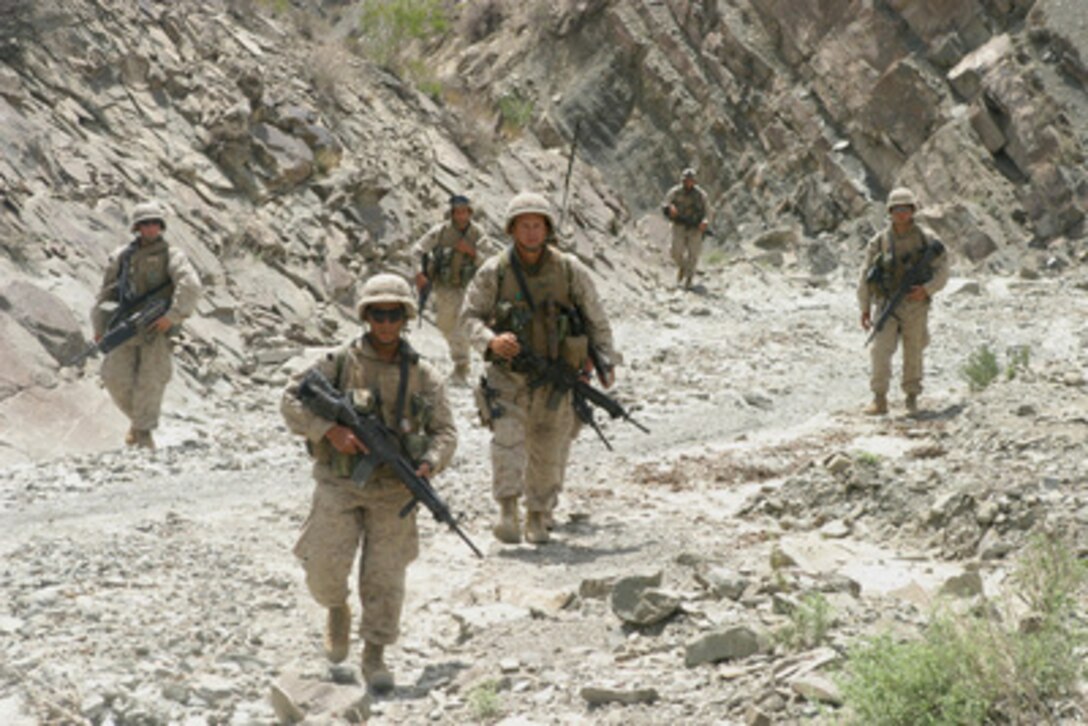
{"points": [[149, 211], [902, 197], [387, 288], [529, 203]]}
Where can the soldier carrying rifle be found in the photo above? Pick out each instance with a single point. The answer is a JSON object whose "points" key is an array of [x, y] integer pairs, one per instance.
{"points": [[145, 273]]}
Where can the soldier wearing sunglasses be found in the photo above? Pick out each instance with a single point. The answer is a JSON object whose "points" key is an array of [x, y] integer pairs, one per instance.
{"points": [[357, 509]]}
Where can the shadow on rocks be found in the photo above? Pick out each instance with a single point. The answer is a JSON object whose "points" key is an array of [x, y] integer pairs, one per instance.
{"points": [[556, 552], [945, 414], [433, 676]]}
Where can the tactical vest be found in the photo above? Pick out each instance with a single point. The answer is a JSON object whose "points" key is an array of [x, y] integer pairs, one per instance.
{"points": [[143, 268], [400, 405], [893, 264], [544, 322], [690, 210], [448, 266]]}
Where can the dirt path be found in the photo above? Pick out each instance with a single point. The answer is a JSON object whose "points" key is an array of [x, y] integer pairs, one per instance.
{"points": [[161, 587]]}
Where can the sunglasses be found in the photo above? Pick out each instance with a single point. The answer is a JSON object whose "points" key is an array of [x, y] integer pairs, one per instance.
{"points": [[392, 315], [901, 208]]}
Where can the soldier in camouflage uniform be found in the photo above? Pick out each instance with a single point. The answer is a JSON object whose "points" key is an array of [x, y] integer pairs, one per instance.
{"points": [[451, 250], [527, 296], [893, 251], [387, 378], [686, 206], [136, 372]]}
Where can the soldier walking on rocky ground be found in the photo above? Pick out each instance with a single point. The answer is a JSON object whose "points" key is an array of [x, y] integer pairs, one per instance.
{"points": [[537, 298], [386, 378], [450, 253], [136, 372], [890, 257], [686, 206]]}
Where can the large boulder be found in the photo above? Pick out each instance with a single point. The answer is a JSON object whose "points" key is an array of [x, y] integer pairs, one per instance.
{"points": [[45, 316]]}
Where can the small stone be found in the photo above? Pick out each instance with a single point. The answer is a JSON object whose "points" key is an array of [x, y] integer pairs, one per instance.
{"points": [[814, 687], [732, 644], [509, 665], [836, 529], [596, 588], [723, 582], [287, 712], [969, 584], [756, 717], [344, 675], [992, 547], [213, 688], [599, 695], [838, 463], [780, 559]]}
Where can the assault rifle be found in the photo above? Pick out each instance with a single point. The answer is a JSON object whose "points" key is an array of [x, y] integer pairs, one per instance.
{"points": [[918, 274], [689, 222], [127, 322], [563, 377], [425, 291], [321, 397]]}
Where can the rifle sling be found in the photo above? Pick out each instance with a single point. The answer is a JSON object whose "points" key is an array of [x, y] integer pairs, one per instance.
{"points": [[519, 275]]}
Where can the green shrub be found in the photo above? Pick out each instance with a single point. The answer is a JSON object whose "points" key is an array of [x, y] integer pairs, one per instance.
{"points": [[387, 25], [971, 670], [1019, 358], [483, 701], [981, 368], [516, 111], [809, 623], [867, 458]]}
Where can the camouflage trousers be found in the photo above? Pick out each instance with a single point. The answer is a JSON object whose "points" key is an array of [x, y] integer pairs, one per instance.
{"points": [[447, 311], [910, 323], [687, 245], [530, 441], [136, 374], [345, 519]]}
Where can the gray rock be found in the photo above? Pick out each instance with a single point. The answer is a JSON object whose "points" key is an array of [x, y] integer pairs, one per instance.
{"points": [[596, 588], [756, 717], [836, 529], [993, 547], [627, 592], [731, 644], [601, 695], [652, 606], [838, 463], [782, 238], [46, 316], [968, 584], [286, 710], [723, 582], [815, 687]]}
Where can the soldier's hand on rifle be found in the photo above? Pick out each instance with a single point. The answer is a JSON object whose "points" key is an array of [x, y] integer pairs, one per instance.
{"points": [[424, 470], [504, 345], [702, 226], [421, 281], [162, 325], [344, 441], [465, 248], [866, 321], [672, 211], [917, 294]]}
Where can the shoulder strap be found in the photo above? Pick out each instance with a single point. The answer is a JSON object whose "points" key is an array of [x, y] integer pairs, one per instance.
{"points": [[125, 291], [520, 275], [408, 358]]}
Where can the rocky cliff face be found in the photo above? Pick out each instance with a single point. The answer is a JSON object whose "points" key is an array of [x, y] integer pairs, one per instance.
{"points": [[800, 114], [294, 168]]}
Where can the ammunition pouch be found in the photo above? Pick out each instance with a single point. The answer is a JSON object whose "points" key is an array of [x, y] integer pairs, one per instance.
{"points": [[451, 268], [574, 350]]}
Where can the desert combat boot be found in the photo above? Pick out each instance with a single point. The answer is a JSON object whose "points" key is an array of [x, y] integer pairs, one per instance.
{"points": [[535, 530], [879, 406], [378, 678], [912, 403], [508, 528], [338, 633], [139, 438]]}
